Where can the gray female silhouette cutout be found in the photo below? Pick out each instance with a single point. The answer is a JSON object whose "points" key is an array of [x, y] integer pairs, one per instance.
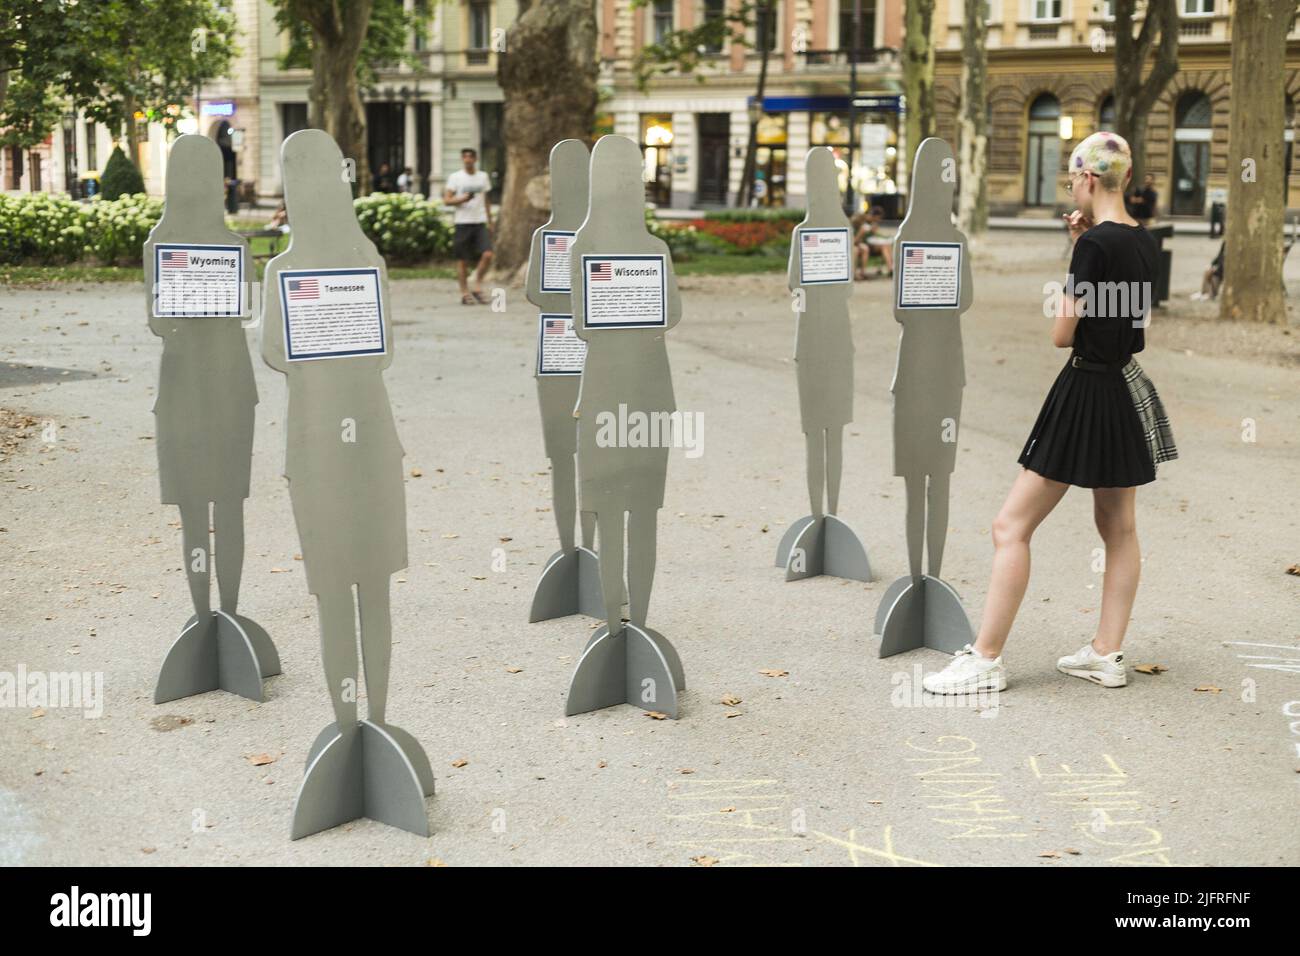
{"points": [[570, 582], [821, 276], [922, 609], [626, 371], [204, 414], [344, 465]]}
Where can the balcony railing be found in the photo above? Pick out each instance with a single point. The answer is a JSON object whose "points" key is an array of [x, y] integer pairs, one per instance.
{"points": [[840, 59]]}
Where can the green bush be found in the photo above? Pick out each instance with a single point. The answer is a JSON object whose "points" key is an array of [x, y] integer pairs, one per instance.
{"points": [[777, 214], [405, 228], [120, 177], [41, 228], [116, 230]]}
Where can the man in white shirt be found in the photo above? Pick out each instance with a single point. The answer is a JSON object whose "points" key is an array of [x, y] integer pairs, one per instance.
{"points": [[466, 194]]}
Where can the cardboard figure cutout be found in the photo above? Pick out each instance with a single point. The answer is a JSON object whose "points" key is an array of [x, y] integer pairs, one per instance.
{"points": [[821, 276], [570, 582], [932, 288], [624, 300], [204, 411], [327, 326]]}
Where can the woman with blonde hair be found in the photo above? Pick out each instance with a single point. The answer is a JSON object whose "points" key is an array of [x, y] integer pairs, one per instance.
{"points": [[1101, 427]]}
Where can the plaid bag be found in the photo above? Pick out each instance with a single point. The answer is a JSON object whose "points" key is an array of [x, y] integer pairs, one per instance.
{"points": [[1151, 412]]}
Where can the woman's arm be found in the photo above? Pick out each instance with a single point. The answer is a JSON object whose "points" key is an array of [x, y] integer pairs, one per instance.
{"points": [[1064, 325]]}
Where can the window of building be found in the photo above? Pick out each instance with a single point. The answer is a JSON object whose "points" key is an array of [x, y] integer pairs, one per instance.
{"points": [[1193, 117], [1043, 151], [1047, 9], [714, 11], [480, 31], [293, 117], [1106, 114], [420, 40], [15, 168], [829, 129], [770, 160], [1198, 7], [92, 147], [656, 152], [663, 19], [866, 25], [765, 17], [492, 146]]}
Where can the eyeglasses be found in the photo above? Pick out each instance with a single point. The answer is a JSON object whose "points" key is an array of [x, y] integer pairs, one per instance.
{"points": [[1069, 184]]}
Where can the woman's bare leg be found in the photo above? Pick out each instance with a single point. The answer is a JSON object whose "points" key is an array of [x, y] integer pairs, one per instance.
{"points": [[1115, 512], [1031, 499]]}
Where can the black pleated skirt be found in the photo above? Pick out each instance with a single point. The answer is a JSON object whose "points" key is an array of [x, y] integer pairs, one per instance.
{"points": [[1089, 433]]}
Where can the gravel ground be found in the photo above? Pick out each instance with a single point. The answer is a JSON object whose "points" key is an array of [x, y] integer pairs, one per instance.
{"points": [[839, 761]]}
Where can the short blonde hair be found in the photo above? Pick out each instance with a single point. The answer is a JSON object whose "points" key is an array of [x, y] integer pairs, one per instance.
{"points": [[1107, 156]]}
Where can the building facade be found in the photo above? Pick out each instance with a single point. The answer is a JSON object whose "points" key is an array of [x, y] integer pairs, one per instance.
{"points": [[1050, 74]]}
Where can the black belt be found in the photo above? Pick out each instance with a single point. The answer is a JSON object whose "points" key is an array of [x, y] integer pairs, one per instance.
{"points": [[1085, 365]]}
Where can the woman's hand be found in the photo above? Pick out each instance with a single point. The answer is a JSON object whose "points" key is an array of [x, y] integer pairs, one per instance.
{"points": [[1077, 224]]}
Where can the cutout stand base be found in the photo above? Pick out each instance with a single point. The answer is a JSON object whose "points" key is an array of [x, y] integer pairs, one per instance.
{"points": [[822, 544], [374, 770], [225, 652], [922, 612], [635, 666], [570, 584]]}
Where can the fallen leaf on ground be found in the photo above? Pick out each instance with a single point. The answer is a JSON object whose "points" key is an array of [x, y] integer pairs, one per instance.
{"points": [[460, 762], [774, 672], [1294, 569], [38, 712], [731, 700], [416, 473], [261, 760], [514, 670], [1209, 689], [1051, 855], [703, 860], [1151, 668], [685, 770], [656, 715]]}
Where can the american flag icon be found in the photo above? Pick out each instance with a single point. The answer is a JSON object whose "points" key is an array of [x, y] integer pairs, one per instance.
{"points": [[304, 289], [915, 257], [811, 239], [555, 326], [602, 271], [175, 260], [557, 243]]}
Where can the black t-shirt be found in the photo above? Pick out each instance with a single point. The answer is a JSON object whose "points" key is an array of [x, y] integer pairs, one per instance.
{"points": [[1112, 279]]}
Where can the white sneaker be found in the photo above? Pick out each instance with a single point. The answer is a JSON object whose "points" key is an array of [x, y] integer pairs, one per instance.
{"points": [[1108, 670], [967, 673]]}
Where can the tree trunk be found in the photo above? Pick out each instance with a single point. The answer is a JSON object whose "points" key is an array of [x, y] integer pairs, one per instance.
{"points": [[972, 201], [338, 32], [750, 172], [1135, 96], [548, 75], [918, 75], [1252, 259], [132, 133]]}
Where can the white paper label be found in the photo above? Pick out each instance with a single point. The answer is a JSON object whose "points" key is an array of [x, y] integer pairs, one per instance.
{"points": [[557, 261], [823, 256], [624, 291], [331, 313], [559, 350], [198, 281], [929, 275]]}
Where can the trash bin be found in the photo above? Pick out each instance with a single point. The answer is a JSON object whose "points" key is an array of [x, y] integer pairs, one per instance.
{"points": [[1164, 262], [1218, 215]]}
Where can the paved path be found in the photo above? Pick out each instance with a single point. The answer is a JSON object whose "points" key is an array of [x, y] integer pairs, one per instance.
{"points": [[837, 763]]}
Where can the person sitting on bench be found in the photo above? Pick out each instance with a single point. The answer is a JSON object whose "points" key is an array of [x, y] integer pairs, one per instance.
{"points": [[1211, 280]]}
